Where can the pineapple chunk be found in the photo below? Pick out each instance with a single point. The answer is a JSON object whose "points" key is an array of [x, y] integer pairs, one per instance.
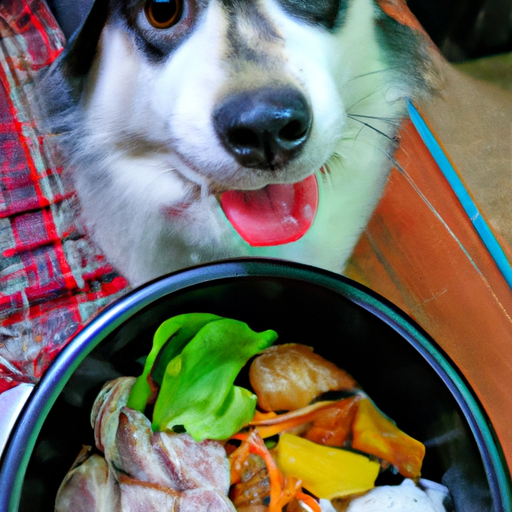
{"points": [[324, 471]]}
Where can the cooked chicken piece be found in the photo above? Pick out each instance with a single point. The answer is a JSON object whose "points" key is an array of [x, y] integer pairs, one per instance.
{"points": [[288, 377]]}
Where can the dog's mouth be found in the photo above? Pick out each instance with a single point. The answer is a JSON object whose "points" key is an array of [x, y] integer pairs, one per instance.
{"points": [[273, 215]]}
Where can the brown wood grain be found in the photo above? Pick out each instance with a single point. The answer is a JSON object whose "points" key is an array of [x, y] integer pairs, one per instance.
{"points": [[421, 251]]}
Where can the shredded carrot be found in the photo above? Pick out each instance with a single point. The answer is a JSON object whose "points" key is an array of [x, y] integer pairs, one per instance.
{"points": [[241, 436], [275, 476], [268, 427], [271, 430], [290, 488], [237, 460], [263, 416], [282, 488], [299, 413], [309, 501]]}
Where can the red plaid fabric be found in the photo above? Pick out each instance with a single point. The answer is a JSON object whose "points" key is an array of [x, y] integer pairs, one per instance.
{"points": [[52, 278]]}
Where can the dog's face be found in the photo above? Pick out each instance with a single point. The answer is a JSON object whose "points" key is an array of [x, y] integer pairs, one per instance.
{"points": [[237, 95], [245, 99], [183, 100]]}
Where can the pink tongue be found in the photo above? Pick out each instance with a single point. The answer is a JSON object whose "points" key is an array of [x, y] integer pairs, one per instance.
{"points": [[274, 215]]}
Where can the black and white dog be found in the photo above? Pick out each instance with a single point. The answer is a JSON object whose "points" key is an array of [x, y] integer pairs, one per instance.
{"points": [[178, 115]]}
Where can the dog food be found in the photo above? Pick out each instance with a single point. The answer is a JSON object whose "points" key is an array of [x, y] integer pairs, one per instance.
{"points": [[305, 438]]}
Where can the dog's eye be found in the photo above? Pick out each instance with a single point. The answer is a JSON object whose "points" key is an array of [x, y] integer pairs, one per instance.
{"points": [[163, 13]]}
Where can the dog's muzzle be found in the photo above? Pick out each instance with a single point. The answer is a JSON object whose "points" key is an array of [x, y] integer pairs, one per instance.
{"points": [[264, 128]]}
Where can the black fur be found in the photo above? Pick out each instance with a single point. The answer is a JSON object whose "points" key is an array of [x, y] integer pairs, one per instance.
{"points": [[326, 13], [238, 45], [82, 48], [62, 85], [318, 12], [406, 52]]}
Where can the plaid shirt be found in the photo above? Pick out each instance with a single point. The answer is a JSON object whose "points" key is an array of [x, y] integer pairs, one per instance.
{"points": [[52, 278]]}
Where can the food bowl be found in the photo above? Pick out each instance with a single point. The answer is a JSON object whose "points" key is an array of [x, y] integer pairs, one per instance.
{"points": [[395, 362]]}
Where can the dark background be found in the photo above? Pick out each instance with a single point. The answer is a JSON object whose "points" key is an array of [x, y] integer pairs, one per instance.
{"points": [[462, 29], [466, 29]]}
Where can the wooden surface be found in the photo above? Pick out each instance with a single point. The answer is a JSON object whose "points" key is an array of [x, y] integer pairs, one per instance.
{"points": [[421, 252]]}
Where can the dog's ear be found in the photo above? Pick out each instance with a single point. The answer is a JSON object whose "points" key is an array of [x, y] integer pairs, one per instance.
{"points": [[62, 86], [79, 54]]}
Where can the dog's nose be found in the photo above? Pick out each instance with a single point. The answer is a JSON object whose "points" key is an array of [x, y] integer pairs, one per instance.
{"points": [[264, 128]]}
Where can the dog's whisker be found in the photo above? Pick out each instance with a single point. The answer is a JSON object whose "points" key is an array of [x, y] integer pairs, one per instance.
{"points": [[383, 70], [364, 98], [359, 132], [389, 120], [368, 125]]}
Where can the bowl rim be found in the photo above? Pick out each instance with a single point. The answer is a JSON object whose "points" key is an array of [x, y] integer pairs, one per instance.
{"points": [[26, 430]]}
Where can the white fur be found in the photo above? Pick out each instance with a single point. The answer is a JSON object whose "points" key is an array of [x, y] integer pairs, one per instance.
{"points": [[150, 147]]}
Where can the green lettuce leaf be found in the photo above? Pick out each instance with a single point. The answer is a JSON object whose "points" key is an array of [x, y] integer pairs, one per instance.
{"points": [[168, 342], [197, 390]]}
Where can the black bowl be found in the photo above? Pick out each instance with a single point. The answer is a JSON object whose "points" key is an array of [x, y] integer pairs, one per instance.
{"points": [[397, 364]]}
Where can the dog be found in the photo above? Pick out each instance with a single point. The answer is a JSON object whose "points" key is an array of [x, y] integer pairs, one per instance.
{"points": [[178, 115]]}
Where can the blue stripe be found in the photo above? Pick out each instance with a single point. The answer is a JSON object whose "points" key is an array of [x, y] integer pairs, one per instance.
{"points": [[471, 209]]}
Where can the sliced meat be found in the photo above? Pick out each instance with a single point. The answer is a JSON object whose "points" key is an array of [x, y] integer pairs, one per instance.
{"points": [[88, 487], [195, 464], [139, 496], [202, 500], [135, 455], [105, 412], [143, 471]]}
